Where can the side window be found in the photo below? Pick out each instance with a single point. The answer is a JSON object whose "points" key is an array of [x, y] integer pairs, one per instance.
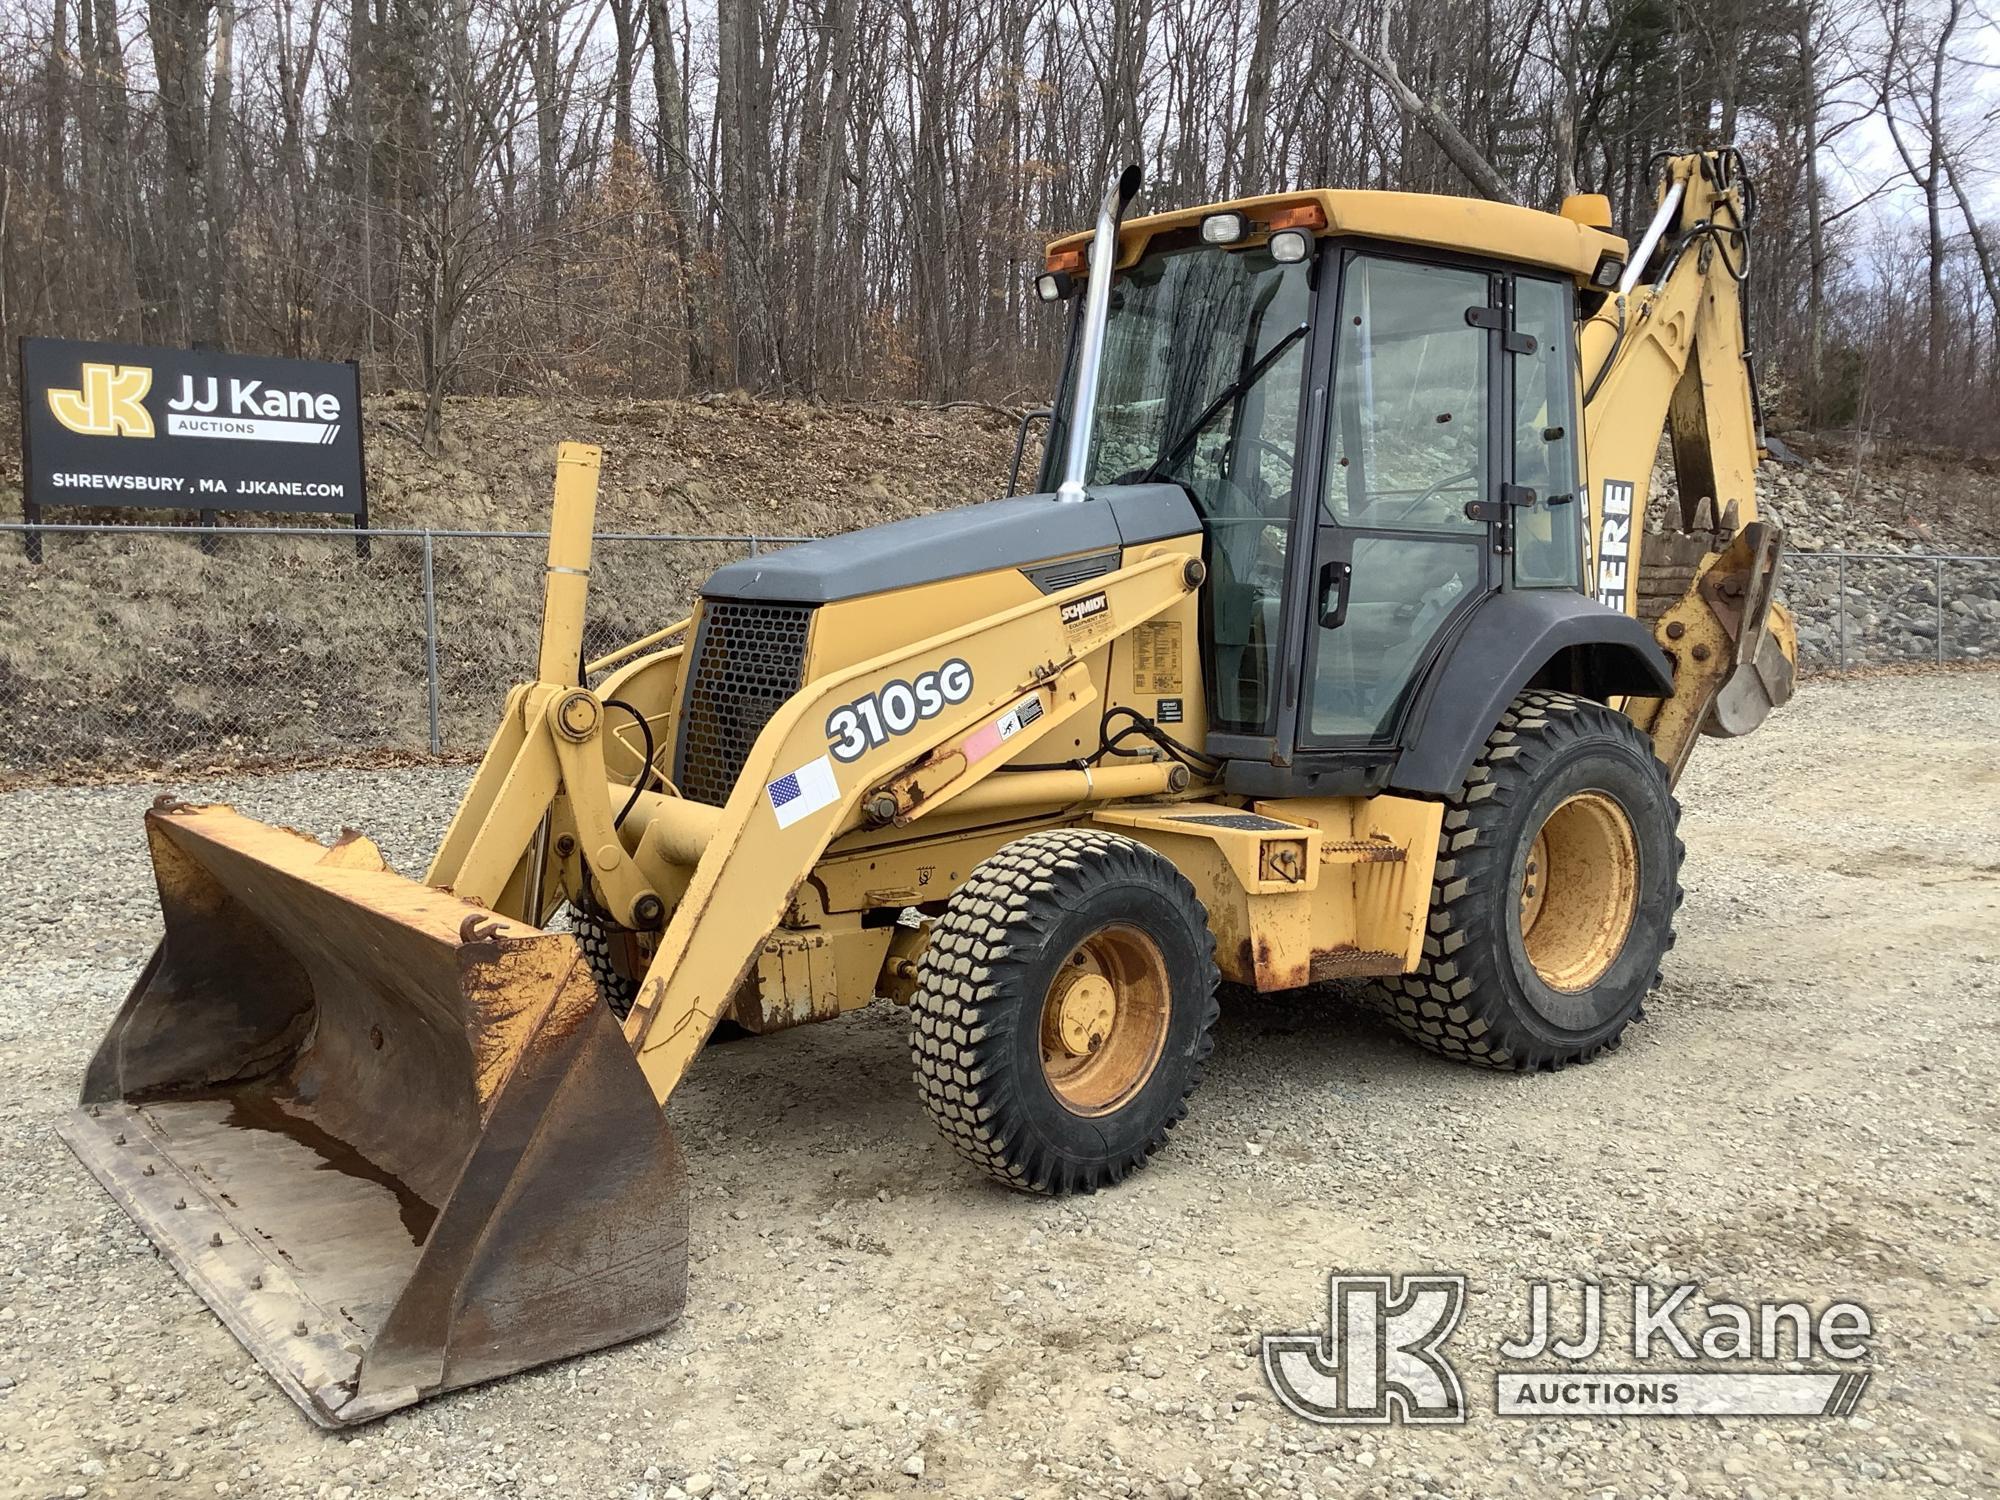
{"points": [[1409, 448], [1410, 382], [1548, 536]]}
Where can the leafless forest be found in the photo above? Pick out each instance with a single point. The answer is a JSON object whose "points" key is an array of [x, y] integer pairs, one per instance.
{"points": [[848, 197]]}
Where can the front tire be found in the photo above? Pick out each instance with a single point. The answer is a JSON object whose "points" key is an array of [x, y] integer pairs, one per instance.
{"points": [[1063, 1009], [1553, 900], [612, 953]]}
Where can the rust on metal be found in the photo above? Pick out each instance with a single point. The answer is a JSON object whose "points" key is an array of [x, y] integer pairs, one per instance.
{"points": [[354, 851], [1104, 1020], [1579, 891], [1345, 961], [1371, 851], [1281, 860]]}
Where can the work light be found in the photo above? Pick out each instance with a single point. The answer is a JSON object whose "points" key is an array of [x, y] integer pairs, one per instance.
{"points": [[1223, 229], [1290, 246]]}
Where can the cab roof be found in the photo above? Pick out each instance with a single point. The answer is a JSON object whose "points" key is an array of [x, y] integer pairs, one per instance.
{"points": [[1472, 226]]}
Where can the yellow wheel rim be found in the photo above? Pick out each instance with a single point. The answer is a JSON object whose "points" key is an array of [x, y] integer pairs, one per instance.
{"points": [[1579, 891], [1104, 1020]]}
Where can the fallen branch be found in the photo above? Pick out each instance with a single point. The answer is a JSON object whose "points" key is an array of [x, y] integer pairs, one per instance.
{"points": [[999, 411], [1426, 112]]}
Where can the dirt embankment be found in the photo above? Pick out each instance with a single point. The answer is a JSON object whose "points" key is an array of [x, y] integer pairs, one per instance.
{"points": [[725, 465], [124, 651]]}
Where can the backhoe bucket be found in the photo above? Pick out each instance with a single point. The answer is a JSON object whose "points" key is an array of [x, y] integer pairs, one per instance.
{"points": [[398, 1144]]}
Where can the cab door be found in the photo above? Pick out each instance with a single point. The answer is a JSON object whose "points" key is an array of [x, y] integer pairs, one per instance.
{"points": [[1546, 526], [1405, 531]]}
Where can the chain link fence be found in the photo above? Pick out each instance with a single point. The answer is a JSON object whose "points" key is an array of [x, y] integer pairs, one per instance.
{"points": [[175, 646], [1872, 609], [179, 646]]}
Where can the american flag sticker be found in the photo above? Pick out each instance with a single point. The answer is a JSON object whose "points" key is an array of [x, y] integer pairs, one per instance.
{"points": [[800, 793]]}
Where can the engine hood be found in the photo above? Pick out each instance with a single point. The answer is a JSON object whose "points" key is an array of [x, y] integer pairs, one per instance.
{"points": [[1011, 533]]}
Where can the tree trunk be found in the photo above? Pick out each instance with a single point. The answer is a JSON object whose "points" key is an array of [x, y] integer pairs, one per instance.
{"points": [[1257, 100], [215, 193], [1815, 382], [625, 28], [179, 33], [1427, 113]]}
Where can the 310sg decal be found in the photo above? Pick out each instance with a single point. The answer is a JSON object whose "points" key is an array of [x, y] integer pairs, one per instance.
{"points": [[897, 707]]}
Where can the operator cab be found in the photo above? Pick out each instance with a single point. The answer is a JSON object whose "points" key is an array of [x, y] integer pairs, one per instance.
{"points": [[1381, 434]]}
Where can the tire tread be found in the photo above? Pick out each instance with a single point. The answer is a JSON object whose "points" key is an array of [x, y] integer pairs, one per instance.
{"points": [[969, 999]]}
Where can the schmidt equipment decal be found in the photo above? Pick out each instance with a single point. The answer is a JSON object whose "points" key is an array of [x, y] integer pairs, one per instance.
{"points": [[1614, 543], [123, 425]]}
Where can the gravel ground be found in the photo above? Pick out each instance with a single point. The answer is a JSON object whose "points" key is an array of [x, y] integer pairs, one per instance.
{"points": [[1806, 1112]]}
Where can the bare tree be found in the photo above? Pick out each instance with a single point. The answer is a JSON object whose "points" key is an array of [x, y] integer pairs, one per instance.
{"points": [[849, 197], [1379, 60]]}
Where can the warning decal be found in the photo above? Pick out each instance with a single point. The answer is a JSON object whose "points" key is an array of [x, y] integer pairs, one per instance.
{"points": [[1156, 658]]}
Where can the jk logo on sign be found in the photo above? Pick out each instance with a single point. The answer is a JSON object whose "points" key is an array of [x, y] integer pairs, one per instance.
{"points": [[1379, 1359], [107, 404]]}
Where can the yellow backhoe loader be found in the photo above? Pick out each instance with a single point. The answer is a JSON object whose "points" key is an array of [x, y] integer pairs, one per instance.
{"points": [[1333, 649]]}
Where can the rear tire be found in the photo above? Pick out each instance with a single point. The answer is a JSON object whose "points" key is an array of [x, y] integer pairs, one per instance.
{"points": [[1553, 901], [1063, 1009]]}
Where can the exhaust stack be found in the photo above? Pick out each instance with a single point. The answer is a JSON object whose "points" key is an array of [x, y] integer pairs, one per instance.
{"points": [[1090, 348]]}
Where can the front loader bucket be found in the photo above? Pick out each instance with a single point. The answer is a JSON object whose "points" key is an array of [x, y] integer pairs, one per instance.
{"points": [[398, 1144]]}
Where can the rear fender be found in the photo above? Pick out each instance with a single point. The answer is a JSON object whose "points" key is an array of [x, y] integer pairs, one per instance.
{"points": [[1511, 641]]}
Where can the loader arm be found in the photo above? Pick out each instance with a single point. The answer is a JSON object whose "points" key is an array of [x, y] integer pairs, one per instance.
{"points": [[1673, 353], [550, 741], [1024, 673]]}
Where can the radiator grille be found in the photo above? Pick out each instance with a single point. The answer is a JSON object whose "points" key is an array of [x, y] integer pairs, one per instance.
{"points": [[748, 659]]}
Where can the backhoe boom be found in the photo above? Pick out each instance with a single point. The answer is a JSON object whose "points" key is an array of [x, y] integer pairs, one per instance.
{"points": [[1669, 349]]}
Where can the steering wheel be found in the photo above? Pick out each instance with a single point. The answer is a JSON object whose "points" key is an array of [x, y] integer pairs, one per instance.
{"points": [[1426, 497], [1255, 439], [1285, 455]]}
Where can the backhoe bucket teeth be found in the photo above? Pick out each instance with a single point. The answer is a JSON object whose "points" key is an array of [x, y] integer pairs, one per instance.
{"points": [[398, 1144]]}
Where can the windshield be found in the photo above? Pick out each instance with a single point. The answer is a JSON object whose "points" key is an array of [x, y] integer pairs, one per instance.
{"points": [[1186, 324], [1202, 376]]}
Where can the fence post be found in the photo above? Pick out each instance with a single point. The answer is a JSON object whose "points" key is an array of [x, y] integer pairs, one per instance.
{"points": [[753, 546], [1840, 618], [431, 644], [1939, 597]]}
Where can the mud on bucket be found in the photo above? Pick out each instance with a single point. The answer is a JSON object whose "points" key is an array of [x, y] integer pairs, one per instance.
{"points": [[398, 1144]]}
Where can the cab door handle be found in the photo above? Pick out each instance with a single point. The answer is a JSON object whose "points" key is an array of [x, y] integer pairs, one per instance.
{"points": [[1334, 579]]}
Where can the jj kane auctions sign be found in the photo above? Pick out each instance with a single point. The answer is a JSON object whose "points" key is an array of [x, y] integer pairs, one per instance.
{"points": [[120, 425]]}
